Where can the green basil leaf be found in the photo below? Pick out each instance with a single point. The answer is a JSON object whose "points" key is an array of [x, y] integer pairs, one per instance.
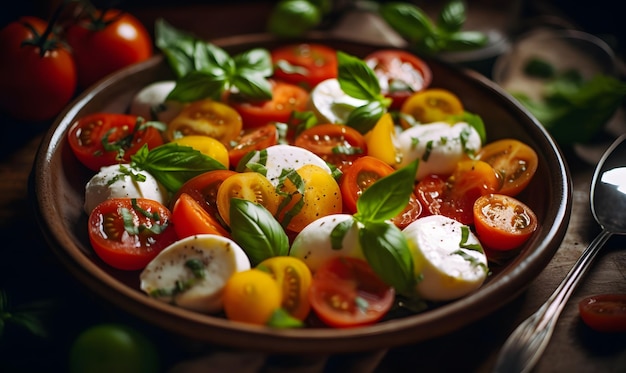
{"points": [[257, 231], [386, 249], [177, 47], [254, 61], [282, 319], [198, 85], [211, 57], [412, 23], [474, 121], [357, 79], [253, 87], [293, 18], [365, 117], [388, 196], [452, 16], [173, 164], [465, 41], [339, 232]]}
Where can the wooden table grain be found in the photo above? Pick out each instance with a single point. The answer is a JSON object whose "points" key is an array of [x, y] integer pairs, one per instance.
{"points": [[29, 272]]}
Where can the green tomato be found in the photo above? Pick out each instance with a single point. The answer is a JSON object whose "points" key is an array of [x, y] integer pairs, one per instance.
{"points": [[292, 18], [113, 348]]}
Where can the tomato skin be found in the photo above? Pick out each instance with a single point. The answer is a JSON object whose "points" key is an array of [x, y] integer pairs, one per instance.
{"points": [[401, 74], [514, 160], [251, 296], [339, 283], [314, 63], [33, 87], [87, 133], [325, 139], [432, 105], [203, 189], [604, 312], [286, 98], [189, 219], [502, 222], [363, 172], [115, 39], [113, 347], [257, 138], [121, 249]]}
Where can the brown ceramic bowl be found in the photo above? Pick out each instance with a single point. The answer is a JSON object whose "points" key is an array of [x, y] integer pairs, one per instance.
{"points": [[58, 192]]}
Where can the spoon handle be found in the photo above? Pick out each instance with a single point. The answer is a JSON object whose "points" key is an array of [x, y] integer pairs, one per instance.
{"points": [[524, 347]]}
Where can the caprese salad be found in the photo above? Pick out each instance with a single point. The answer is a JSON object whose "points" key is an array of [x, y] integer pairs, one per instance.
{"points": [[300, 186]]}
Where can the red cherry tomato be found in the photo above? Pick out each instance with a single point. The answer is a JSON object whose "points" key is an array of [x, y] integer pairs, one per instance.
{"points": [[203, 189], [106, 42], [128, 233], [120, 132], [363, 172], [190, 218], [286, 99], [251, 139], [604, 312], [502, 222], [304, 64], [337, 144], [400, 74], [35, 83], [346, 292]]}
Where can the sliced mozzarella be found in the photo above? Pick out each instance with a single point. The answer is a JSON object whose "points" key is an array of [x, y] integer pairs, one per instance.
{"points": [[120, 181], [169, 276], [331, 104], [448, 270], [286, 157], [151, 101], [439, 146], [314, 243]]}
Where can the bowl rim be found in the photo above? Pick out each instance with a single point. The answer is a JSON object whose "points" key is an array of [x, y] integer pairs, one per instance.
{"points": [[212, 329]]}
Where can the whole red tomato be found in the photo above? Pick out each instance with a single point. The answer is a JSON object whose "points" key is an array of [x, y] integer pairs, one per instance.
{"points": [[105, 42], [37, 74]]}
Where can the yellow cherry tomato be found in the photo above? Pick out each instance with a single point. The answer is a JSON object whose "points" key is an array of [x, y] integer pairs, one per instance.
{"points": [[381, 140], [250, 186], [251, 296], [320, 196], [432, 105], [206, 145], [294, 276], [206, 117]]}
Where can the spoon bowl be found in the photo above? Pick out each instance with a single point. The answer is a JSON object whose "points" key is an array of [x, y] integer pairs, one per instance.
{"points": [[525, 345]]}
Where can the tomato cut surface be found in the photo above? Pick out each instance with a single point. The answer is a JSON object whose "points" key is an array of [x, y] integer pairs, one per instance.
{"points": [[104, 139], [190, 219], [502, 222], [604, 312], [432, 105], [346, 292], [128, 233], [515, 161], [286, 99], [250, 186], [256, 138], [206, 117], [203, 188], [400, 74], [337, 144], [304, 64]]}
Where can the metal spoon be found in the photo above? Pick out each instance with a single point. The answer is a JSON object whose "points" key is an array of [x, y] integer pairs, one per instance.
{"points": [[525, 345]]}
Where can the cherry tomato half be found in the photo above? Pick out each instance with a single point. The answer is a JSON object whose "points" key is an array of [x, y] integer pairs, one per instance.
{"points": [[304, 64], [364, 172], [432, 105], [400, 74], [106, 42], [124, 135], [203, 188], [189, 219], [252, 296], [250, 186], [515, 161], [128, 233], [346, 292], [35, 85], [256, 138], [337, 144], [502, 222], [604, 312], [286, 99]]}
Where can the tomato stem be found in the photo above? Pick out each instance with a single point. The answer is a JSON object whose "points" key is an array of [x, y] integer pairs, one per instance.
{"points": [[42, 40]]}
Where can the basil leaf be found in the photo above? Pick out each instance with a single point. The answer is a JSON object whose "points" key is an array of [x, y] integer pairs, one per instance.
{"points": [[253, 86], [173, 164], [177, 47], [365, 117], [339, 232], [212, 57], [475, 121], [388, 196], [465, 41], [198, 85], [254, 61], [408, 20], [387, 251], [257, 231], [356, 79], [452, 16]]}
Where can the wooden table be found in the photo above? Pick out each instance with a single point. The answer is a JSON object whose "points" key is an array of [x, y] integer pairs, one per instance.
{"points": [[29, 272]]}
